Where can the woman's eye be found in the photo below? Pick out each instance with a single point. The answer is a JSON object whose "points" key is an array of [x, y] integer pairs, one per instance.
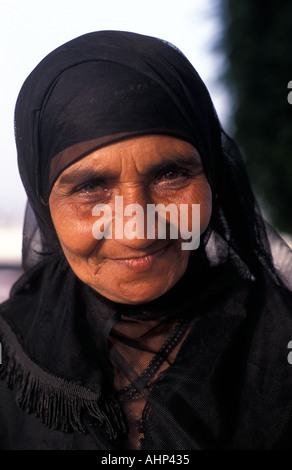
{"points": [[172, 176], [90, 188]]}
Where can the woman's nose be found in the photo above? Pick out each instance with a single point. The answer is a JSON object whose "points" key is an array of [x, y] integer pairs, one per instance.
{"points": [[130, 216], [135, 193]]}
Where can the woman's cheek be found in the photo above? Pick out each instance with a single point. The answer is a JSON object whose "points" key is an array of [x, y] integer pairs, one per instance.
{"points": [[74, 229], [199, 193], [205, 207]]}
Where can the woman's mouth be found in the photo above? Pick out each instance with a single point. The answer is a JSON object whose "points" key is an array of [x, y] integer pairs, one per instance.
{"points": [[143, 263]]}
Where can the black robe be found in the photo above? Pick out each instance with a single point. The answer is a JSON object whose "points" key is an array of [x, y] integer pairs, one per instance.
{"points": [[228, 388]]}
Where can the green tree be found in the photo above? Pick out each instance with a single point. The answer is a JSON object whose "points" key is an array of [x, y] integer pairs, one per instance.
{"points": [[257, 43]]}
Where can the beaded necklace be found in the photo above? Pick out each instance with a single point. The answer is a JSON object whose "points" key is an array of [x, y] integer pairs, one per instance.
{"points": [[135, 388]]}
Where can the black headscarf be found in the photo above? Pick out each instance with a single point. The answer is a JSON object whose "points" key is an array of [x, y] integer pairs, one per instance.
{"points": [[107, 86], [95, 90]]}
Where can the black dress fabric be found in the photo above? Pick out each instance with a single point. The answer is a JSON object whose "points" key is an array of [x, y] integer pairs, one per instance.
{"points": [[207, 363]]}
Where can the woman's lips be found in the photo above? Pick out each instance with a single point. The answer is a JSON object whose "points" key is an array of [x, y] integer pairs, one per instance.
{"points": [[143, 263]]}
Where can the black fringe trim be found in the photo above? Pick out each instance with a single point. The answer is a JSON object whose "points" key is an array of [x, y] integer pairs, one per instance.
{"points": [[61, 405]]}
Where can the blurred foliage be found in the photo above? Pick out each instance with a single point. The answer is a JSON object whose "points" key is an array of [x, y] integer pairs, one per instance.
{"points": [[257, 43]]}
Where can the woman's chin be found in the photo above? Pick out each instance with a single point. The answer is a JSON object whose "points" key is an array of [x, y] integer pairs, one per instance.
{"points": [[135, 295]]}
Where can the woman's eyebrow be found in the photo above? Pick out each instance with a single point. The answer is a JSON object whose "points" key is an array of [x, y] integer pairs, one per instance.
{"points": [[187, 161], [79, 175]]}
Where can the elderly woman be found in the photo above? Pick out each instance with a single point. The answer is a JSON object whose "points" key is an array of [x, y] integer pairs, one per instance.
{"points": [[116, 341]]}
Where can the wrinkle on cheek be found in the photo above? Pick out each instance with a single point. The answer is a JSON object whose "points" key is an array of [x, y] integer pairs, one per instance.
{"points": [[80, 241], [74, 227], [202, 195], [85, 266], [87, 273]]}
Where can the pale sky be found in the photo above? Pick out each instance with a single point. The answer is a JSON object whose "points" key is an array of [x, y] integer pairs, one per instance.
{"points": [[30, 29]]}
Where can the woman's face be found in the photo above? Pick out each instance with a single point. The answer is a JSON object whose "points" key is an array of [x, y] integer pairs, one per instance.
{"points": [[143, 170]]}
